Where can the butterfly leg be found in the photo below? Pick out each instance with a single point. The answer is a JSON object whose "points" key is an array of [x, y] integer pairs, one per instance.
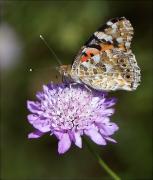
{"points": [[73, 84], [87, 87], [66, 80]]}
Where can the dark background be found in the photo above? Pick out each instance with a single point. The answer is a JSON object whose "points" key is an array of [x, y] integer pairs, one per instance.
{"points": [[66, 25]]}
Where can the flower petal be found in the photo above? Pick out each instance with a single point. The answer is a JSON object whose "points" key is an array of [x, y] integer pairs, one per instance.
{"points": [[95, 136], [35, 134], [33, 106], [110, 102], [94, 101], [108, 129], [31, 118], [58, 134], [40, 95], [42, 125], [110, 139], [78, 139], [108, 112], [64, 144]]}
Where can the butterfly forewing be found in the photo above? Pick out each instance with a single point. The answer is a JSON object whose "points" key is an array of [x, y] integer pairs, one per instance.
{"points": [[106, 62]]}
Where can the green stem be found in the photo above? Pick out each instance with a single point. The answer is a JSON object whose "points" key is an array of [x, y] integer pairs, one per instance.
{"points": [[102, 163]]}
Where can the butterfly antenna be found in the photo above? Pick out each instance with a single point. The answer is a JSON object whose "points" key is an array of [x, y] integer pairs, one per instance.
{"points": [[52, 51]]}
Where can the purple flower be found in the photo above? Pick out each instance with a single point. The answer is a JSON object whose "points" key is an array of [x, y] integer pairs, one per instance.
{"points": [[69, 112]]}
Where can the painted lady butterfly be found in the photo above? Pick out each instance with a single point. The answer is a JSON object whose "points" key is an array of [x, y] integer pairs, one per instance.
{"points": [[106, 62]]}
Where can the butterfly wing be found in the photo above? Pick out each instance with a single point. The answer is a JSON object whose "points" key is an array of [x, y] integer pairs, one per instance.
{"points": [[106, 61]]}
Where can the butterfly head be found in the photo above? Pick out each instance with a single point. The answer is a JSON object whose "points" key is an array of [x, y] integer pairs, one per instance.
{"points": [[65, 70]]}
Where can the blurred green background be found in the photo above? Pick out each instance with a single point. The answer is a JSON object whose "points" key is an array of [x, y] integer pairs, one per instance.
{"points": [[66, 25]]}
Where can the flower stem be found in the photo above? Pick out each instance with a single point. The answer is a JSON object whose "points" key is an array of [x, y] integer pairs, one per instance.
{"points": [[102, 163]]}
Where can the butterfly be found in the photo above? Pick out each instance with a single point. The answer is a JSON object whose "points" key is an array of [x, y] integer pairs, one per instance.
{"points": [[106, 62]]}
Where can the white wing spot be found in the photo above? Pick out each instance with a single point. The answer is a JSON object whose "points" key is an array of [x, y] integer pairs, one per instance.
{"points": [[109, 23], [127, 44], [86, 64], [96, 58], [114, 26], [119, 40], [102, 35]]}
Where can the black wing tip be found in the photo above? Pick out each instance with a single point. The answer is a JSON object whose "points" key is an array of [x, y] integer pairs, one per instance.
{"points": [[102, 28], [114, 20]]}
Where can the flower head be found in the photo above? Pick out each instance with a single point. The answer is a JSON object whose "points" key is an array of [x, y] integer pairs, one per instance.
{"points": [[69, 112]]}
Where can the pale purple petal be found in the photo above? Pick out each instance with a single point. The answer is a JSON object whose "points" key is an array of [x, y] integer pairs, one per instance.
{"points": [[34, 135], [31, 118], [58, 134], [42, 125], [40, 95], [110, 102], [33, 106], [64, 144], [110, 139], [108, 129], [95, 136], [108, 112], [78, 139]]}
